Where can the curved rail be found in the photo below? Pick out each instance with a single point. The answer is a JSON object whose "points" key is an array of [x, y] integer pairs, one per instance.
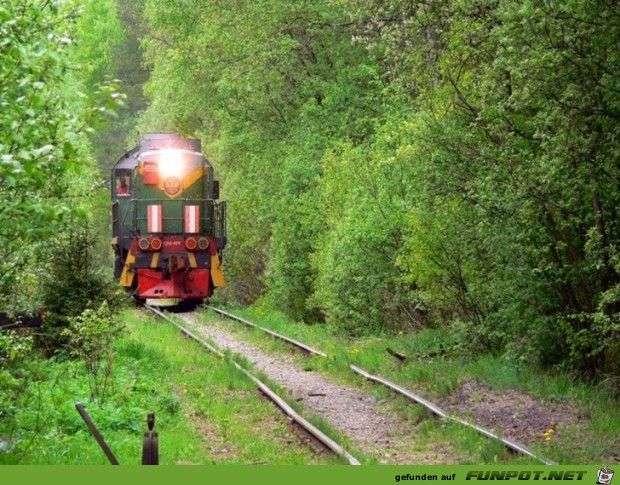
{"points": [[512, 445], [310, 428]]}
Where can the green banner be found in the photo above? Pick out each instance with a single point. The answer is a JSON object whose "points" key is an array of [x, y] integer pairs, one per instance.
{"points": [[315, 475]]}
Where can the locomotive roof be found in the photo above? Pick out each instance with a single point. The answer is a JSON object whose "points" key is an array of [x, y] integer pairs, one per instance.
{"points": [[128, 160], [145, 155], [159, 141], [152, 142]]}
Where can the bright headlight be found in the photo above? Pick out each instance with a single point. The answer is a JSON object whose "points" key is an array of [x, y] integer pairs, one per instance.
{"points": [[170, 164]]}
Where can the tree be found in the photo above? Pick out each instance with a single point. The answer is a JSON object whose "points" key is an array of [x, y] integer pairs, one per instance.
{"points": [[43, 151]]}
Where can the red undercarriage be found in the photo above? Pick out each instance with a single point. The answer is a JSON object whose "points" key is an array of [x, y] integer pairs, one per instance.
{"points": [[185, 284]]}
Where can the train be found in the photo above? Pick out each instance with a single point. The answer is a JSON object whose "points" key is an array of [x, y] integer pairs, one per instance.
{"points": [[168, 226]]}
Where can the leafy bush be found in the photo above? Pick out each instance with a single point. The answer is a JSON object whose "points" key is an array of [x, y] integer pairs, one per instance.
{"points": [[90, 338], [76, 281], [14, 350]]}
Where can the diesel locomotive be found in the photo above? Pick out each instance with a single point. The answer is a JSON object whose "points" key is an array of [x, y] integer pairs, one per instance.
{"points": [[168, 227]]}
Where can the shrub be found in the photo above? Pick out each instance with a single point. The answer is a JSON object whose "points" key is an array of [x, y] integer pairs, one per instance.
{"points": [[75, 282], [90, 337]]}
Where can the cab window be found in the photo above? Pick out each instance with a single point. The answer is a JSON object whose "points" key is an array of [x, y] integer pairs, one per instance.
{"points": [[122, 183]]}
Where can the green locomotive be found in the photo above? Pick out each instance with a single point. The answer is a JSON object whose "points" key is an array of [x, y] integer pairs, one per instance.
{"points": [[168, 229]]}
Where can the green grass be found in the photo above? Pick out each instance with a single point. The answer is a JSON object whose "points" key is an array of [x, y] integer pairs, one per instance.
{"points": [[206, 411], [435, 374]]}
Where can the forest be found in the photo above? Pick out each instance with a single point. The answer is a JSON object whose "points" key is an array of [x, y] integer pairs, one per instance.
{"points": [[389, 166]]}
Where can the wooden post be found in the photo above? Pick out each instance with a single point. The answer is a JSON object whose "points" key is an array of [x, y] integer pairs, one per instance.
{"points": [[150, 445], [95, 432]]}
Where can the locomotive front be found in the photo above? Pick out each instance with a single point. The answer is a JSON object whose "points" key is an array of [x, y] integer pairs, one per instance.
{"points": [[168, 230]]}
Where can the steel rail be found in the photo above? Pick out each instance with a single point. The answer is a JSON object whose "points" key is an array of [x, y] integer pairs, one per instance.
{"points": [[512, 445], [309, 427], [294, 342], [440, 412]]}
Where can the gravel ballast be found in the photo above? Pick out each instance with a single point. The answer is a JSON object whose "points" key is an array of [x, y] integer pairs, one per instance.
{"points": [[369, 425]]}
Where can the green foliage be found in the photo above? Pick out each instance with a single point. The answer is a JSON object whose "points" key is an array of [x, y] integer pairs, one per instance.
{"points": [[75, 281], [268, 96], [90, 338], [98, 32], [395, 165], [515, 165], [109, 33], [45, 166], [17, 373], [14, 350]]}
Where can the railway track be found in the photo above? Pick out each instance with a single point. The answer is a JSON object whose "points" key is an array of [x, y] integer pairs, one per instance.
{"points": [[277, 400], [510, 444]]}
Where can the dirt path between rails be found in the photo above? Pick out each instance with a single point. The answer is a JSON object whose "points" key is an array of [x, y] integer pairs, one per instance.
{"points": [[517, 415], [370, 425]]}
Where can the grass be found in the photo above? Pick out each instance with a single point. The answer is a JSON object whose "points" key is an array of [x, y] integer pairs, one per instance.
{"points": [[206, 411], [435, 375]]}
